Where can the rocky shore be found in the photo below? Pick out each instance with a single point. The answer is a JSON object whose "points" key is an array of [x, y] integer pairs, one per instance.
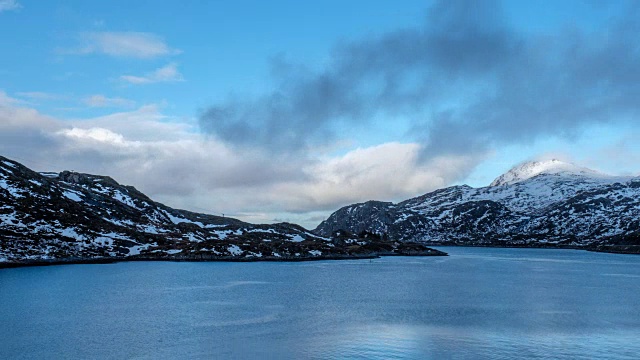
{"points": [[404, 250]]}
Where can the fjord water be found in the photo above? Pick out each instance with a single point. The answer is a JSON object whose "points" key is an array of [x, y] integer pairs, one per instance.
{"points": [[476, 303]]}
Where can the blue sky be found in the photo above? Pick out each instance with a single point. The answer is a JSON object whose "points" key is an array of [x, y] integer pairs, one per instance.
{"points": [[287, 110]]}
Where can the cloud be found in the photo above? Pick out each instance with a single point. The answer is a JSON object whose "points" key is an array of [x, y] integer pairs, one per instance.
{"points": [[174, 164], [389, 171], [96, 101], [124, 44], [621, 156], [9, 5], [462, 83], [6, 100], [40, 96], [93, 135], [22, 129], [551, 85], [103, 101], [168, 73]]}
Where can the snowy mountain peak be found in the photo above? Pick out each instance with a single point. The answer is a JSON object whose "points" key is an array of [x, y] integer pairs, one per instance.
{"points": [[542, 203], [533, 168]]}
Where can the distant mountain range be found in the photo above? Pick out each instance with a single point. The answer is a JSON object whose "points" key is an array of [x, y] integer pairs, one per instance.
{"points": [[536, 204], [73, 217]]}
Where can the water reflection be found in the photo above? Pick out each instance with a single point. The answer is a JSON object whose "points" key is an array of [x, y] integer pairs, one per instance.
{"points": [[437, 342]]}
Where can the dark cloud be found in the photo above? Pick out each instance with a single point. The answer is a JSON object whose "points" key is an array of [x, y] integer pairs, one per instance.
{"points": [[554, 85], [397, 73], [465, 80]]}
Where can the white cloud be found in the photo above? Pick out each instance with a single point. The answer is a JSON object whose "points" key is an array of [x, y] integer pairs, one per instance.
{"points": [[93, 135], [174, 164], [40, 96], [124, 44], [389, 172], [103, 101], [97, 100], [6, 100], [146, 123], [168, 73], [8, 5]]}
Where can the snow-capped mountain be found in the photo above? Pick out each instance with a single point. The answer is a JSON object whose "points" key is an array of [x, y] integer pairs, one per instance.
{"points": [[533, 168], [77, 217], [549, 203]]}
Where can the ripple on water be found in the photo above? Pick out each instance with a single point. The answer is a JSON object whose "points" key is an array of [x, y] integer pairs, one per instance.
{"points": [[435, 342]]}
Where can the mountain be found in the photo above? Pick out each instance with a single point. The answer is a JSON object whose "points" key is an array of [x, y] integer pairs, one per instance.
{"points": [[530, 169], [75, 217], [536, 204]]}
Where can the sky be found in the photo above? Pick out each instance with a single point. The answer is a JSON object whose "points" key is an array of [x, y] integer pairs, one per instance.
{"points": [[288, 110]]}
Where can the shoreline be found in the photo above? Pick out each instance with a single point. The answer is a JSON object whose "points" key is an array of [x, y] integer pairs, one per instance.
{"points": [[13, 265], [611, 249], [618, 249]]}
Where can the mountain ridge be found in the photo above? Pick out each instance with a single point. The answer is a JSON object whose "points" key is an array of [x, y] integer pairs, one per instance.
{"points": [[74, 217], [552, 204], [529, 169]]}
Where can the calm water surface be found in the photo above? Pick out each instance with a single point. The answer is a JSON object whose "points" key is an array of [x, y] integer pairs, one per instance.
{"points": [[477, 303]]}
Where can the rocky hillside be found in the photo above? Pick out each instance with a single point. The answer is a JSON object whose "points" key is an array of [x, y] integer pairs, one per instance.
{"points": [[51, 217], [550, 203]]}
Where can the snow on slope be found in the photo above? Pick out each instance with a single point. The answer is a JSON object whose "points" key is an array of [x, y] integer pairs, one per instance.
{"points": [[527, 187], [550, 201], [75, 215]]}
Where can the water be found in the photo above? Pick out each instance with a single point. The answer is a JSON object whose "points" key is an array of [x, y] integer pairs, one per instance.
{"points": [[477, 303]]}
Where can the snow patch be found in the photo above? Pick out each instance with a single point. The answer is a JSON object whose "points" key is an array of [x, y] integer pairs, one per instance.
{"points": [[150, 229], [297, 238], [120, 222], [72, 195], [135, 250], [125, 199], [71, 233], [14, 191], [177, 220], [234, 250]]}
